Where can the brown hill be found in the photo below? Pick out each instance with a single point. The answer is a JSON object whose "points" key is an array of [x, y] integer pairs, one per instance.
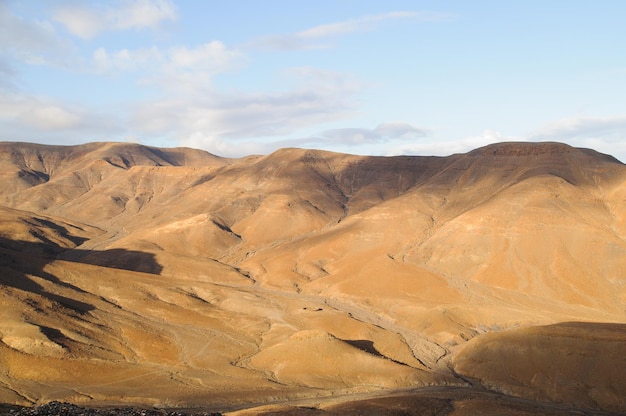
{"points": [[175, 277], [578, 363]]}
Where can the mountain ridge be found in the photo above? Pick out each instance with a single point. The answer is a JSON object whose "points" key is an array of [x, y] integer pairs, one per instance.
{"points": [[212, 276]]}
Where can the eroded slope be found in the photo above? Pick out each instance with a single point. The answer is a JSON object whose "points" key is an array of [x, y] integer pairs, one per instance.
{"points": [[171, 275]]}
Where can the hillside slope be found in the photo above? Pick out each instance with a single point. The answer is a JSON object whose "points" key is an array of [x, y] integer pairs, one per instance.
{"points": [[297, 273]]}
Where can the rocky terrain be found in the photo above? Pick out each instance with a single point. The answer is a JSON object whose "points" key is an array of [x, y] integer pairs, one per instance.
{"points": [[68, 409], [173, 278]]}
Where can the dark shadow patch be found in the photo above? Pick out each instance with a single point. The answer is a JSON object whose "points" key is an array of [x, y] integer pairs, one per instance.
{"points": [[55, 336], [117, 258], [33, 177], [225, 228], [396, 406], [63, 232], [23, 263], [77, 306], [365, 345], [203, 179], [17, 271]]}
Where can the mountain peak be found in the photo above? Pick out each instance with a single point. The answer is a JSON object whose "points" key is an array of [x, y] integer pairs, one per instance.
{"points": [[537, 149], [524, 149]]}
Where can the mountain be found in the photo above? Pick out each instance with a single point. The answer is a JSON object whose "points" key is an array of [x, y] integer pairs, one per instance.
{"points": [[174, 277]]}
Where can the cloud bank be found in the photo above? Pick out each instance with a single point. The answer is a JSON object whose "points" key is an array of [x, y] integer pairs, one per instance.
{"points": [[87, 20], [605, 134], [607, 128], [210, 120], [188, 104], [315, 37]]}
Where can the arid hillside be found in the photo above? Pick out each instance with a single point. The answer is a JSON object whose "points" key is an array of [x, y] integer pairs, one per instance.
{"points": [[173, 277]]}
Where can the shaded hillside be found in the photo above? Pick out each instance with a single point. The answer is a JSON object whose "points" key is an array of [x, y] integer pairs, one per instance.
{"points": [[576, 363], [52, 175], [282, 276]]}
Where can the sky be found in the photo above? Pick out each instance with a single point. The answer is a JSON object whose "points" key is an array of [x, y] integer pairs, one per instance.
{"points": [[368, 77]]}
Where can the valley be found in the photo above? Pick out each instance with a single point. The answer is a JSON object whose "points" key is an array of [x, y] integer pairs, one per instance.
{"points": [[174, 278]]}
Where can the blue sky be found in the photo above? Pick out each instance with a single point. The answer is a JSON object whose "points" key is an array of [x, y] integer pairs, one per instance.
{"points": [[362, 77]]}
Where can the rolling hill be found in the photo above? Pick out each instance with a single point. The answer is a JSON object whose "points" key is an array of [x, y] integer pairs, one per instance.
{"points": [[174, 277]]}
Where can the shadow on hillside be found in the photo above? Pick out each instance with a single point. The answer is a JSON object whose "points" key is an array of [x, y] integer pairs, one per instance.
{"points": [[364, 345], [367, 346], [22, 265]]}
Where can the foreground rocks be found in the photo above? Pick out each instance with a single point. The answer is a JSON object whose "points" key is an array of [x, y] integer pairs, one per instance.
{"points": [[67, 409], [432, 401]]}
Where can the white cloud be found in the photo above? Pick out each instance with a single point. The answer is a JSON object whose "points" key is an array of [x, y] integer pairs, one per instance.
{"points": [[400, 130], [29, 111], [33, 42], [87, 20], [575, 128], [350, 26], [8, 76], [270, 114], [19, 33], [174, 67], [52, 117], [217, 146], [348, 136], [209, 119], [604, 134], [362, 138], [139, 14], [242, 115], [359, 136], [310, 38], [80, 20], [210, 58], [190, 109], [209, 55], [37, 119], [448, 147], [105, 62]]}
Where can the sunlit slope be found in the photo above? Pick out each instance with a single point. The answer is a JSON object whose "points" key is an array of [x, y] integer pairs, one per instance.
{"points": [[297, 272], [528, 235], [78, 331]]}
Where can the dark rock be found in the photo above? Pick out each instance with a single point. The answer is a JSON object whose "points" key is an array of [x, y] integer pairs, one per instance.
{"points": [[68, 409]]}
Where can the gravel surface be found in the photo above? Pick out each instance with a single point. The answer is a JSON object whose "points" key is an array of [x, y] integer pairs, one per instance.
{"points": [[67, 409]]}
